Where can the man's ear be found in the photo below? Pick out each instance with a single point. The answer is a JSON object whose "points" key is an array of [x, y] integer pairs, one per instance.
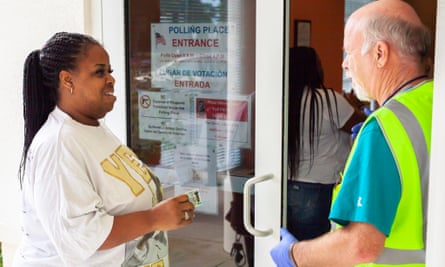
{"points": [[381, 53], [65, 79]]}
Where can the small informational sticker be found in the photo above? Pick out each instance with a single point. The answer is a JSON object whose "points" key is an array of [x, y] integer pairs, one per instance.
{"points": [[194, 197]]}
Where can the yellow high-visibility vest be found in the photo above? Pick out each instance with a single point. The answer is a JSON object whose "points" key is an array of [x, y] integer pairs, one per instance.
{"points": [[406, 124]]}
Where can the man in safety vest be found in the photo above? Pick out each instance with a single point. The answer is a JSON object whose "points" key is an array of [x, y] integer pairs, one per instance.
{"points": [[382, 202]]}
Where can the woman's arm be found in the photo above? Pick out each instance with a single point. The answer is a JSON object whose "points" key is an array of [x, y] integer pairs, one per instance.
{"points": [[358, 116], [166, 215]]}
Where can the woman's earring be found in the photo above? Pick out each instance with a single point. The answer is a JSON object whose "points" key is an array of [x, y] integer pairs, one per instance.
{"points": [[71, 90]]}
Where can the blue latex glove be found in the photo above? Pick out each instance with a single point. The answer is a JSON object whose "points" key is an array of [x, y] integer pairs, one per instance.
{"points": [[356, 128], [367, 111], [280, 253]]}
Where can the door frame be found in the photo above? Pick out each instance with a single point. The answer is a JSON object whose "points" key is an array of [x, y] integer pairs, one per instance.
{"points": [[436, 212], [271, 44]]}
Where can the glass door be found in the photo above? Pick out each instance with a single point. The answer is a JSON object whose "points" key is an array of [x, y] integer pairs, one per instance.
{"points": [[191, 117], [204, 110]]}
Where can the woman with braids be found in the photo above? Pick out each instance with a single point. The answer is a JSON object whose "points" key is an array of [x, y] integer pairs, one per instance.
{"points": [[320, 120], [87, 199]]}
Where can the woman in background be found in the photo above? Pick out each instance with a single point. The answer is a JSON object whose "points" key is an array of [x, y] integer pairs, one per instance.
{"points": [[320, 122]]}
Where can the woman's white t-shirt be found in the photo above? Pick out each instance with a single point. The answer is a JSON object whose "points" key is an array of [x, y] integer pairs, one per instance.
{"points": [[77, 178], [333, 144]]}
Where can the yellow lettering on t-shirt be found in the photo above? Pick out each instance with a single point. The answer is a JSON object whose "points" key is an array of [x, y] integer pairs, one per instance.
{"points": [[159, 263], [117, 169], [131, 159]]}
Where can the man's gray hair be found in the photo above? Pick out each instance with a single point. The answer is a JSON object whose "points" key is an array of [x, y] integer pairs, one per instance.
{"points": [[408, 39]]}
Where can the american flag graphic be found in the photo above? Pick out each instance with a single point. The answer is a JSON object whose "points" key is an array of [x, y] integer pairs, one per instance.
{"points": [[160, 39]]}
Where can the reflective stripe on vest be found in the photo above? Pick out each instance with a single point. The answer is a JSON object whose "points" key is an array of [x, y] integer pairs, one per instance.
{"points": [[421, 149], [402, 121]]}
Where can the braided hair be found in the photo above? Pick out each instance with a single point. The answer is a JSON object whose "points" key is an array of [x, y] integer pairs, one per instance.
{"points": [[41, 81], [306, 74]]}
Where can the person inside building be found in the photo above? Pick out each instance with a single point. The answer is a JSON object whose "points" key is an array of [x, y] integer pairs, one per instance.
{"points": [[320, 122]]}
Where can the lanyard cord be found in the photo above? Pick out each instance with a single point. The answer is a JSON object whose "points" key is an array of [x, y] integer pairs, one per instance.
{"points": [[403, 86]]}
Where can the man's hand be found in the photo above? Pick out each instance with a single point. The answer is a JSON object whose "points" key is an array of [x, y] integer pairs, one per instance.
{"points": [[280, 253]]}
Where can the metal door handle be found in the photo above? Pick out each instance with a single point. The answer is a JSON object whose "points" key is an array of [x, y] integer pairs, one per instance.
{"points": [[247, 205]]}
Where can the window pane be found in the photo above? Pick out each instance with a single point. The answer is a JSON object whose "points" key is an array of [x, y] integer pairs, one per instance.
{"points": [[191, 113]]}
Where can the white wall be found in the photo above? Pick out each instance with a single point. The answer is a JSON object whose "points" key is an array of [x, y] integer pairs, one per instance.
{"points": [[24, 26]]}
